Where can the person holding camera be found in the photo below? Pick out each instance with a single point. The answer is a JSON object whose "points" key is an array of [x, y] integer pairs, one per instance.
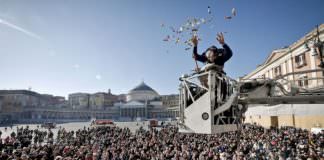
{"points": [[213, 55]]}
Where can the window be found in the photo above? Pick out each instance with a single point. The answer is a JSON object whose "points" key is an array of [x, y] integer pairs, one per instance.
{"points": [[277, 71], [303, 82], [300, 60]]}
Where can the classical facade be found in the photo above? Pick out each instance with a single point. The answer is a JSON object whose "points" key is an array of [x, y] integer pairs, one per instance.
{"points": [[300, 56], [289, 63], [144, 102], [14, 100], [13, 103]]}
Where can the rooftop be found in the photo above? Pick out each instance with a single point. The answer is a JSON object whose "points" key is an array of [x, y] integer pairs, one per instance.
{"points": [[142, 87]]}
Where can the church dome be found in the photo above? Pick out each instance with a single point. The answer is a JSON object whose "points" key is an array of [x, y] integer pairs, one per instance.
{"points": [[142, 92], [142, 87]]}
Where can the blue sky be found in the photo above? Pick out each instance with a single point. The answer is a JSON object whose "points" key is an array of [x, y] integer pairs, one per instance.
{"points": [[67, 46]]}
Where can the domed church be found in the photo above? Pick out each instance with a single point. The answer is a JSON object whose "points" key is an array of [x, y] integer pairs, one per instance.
{"points": [[142, 92], [143, 102]]}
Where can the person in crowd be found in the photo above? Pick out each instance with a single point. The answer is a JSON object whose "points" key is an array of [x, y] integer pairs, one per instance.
{"points": [[254, 142]]}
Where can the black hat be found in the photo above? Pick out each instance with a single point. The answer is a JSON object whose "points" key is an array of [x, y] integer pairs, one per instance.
{"points": [[211, 48], [214, 49]]}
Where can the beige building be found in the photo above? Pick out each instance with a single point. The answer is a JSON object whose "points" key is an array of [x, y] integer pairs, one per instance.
{"points": [[79, 100], [16, 100], [302, 55], [53, 101], [102, 100], [13, 103], [170, 100], [96, 101]]}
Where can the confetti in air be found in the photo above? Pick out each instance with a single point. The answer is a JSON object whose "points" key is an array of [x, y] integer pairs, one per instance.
{"points": [[166, 38], [180, 29], [233, 12], [228, 17], [173, 30], [183, 34], [192, 26], [203, 20], [177, 40]]}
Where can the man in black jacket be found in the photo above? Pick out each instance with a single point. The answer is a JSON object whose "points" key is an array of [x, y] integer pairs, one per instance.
{"points": [[213, 54], [216, 56]]}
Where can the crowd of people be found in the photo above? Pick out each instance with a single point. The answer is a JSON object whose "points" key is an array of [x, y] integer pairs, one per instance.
{"points": [[251, 142]]}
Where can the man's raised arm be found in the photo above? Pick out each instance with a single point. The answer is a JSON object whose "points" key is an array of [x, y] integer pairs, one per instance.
{"points": [[195, 55], [227, 50]]}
